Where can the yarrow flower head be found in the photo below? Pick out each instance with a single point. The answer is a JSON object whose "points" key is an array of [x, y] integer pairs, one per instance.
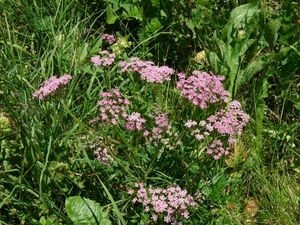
{"points": [[103, 156], [134, 122], [230, 121], [202, 88], [171, 204], [101, 152], [110, 39], [216, 149], [52, 87], [113, 107], [147, 70], [104, 59]]}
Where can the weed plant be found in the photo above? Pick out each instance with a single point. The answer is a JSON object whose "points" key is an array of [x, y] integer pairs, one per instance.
{"points": [[110, 115]]}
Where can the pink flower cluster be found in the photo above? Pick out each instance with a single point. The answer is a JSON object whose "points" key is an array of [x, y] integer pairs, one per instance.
{"points": [[230, 121], [113, 107], [52, 86], [147, 70], [216, 149], [161, 122], [100, 151], [134, 122], [103, 156], [168, 204], [202, 88], [104, 59], [110, 39]]}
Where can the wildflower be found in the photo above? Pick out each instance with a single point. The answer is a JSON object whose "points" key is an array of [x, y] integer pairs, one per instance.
{"points": [[134, 122], [147, 70], [202, 88], [201, 58], [190, 123], [103, 156], [110, 39], [154, 217], [146, 133], [101, 152], [104, 59], [161, 119], [230, 121], [216, 149], [113, 107], [53, 86], [171, 203]]}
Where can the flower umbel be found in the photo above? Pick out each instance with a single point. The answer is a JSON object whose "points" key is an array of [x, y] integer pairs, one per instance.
{"points": [[202, 88], [52, 86], [147, 70], [134, 122], [113, 107], [104, 59], [171, 204], [109, 38]]}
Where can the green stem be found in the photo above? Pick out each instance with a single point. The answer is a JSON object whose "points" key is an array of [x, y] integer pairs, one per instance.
{"points": [[89, 130]]}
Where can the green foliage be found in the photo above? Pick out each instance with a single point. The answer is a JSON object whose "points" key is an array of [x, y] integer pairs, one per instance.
{"points": [[240, 58], [85, 211], [45, 147]]}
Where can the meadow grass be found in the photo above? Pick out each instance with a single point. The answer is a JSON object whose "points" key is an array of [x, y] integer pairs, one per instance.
{"points": [[59, 148]]}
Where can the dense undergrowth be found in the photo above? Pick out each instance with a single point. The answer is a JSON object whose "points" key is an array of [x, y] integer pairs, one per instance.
{"points": [[149, 112]]}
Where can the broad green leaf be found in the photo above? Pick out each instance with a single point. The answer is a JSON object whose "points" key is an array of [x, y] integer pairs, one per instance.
{"points": [[83, 211], [189, 23], [110, 16], [155, 3], [243, 13], [95, 48], [163, 14], [244, 45], [271, 33], [82, 51], [221, 47], [154, 25], [233, 60], [214, 62], [252, 69]]}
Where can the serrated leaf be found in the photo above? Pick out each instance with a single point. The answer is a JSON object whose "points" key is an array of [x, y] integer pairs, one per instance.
{"points": [[134, 12], [252, 69], [245, 44], [271, 33], [83, 211], [214, 62], [221, 47]]}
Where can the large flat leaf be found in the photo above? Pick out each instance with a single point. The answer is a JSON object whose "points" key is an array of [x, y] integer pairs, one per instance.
{"points": [[243, 13], [252, 69], [83, 211], [271, 33]]}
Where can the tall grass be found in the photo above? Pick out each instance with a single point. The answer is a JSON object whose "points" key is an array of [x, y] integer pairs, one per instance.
{"points": [[45, 150]]}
